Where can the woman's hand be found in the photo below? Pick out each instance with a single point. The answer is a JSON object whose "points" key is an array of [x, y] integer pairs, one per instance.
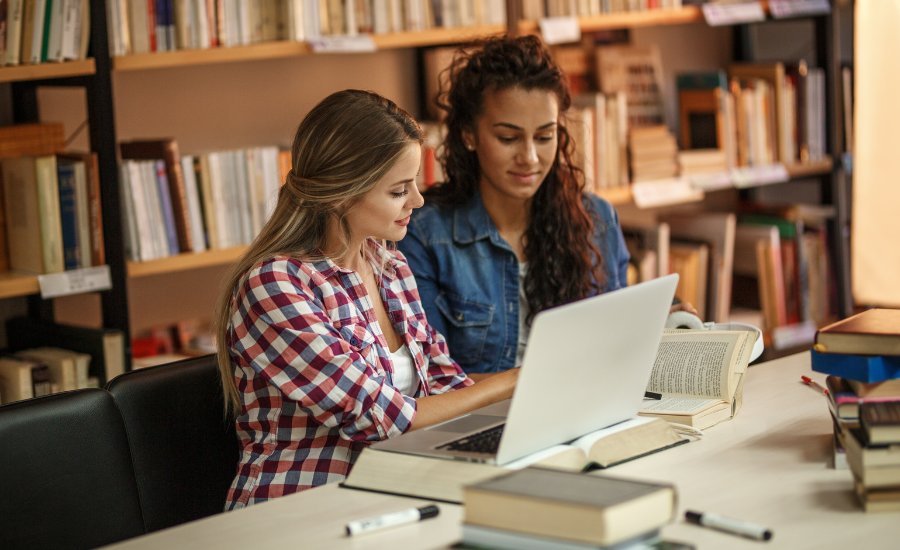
{"points": [[434, 409]]}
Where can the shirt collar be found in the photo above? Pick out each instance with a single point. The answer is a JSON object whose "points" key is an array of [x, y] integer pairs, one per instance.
{"points": [[471, 222]]}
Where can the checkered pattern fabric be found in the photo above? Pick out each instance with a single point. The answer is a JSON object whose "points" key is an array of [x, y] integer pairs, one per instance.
{"points": [[314, 372]]}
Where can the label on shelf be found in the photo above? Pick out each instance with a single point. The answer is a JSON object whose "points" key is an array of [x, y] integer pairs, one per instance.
{"points": [[733, 14], [712, 181], [343, 44], [75, 281], [754, 176], [648, 194], [560, 30], [796, 8]]}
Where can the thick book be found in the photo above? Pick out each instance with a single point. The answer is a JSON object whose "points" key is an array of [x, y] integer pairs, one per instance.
{"points": [[863, 368], [872, 332], [699, 374], [23, 379], [443, 478], [844, 402], [33, 225], [870, 468], [881, 422], [105, 346], [580, 507], [878, 499]]}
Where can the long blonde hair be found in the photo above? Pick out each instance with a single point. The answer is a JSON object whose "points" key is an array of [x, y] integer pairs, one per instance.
{"points": [[341, 149]]}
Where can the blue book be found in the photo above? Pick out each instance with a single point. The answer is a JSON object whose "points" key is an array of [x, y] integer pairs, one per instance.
{"points": [[165, 204], [865, 368], [68, 215]]}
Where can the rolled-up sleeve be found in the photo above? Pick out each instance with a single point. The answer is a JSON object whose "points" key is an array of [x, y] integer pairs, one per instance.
{"points": [[282, 332]]}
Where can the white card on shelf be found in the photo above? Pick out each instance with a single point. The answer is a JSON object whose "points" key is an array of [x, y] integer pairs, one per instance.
{"points": [[560, 30], [733, 14], [75, 281], [343, 44], [755, 176], [795, 8], [712, 181]]}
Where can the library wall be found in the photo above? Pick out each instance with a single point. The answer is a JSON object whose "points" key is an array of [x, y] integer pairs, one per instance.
{"points": [[222, 106]]}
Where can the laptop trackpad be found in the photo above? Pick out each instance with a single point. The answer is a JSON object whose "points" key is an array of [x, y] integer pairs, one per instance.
{"points": [[468, 423]]}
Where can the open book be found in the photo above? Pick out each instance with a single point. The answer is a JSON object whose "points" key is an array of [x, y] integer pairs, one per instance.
{"points": [[699, 374], [443, 478]]}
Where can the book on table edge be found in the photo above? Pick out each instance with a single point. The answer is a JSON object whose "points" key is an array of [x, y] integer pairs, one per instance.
{"points": [[844, 402], [864, 368], [866, 454], [477, 536], [878, 500], [590, 508], [442, 479], [871, 332]]}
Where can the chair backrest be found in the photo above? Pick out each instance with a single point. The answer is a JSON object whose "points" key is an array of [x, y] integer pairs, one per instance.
{"points": [[184, 449], [66, 478]]}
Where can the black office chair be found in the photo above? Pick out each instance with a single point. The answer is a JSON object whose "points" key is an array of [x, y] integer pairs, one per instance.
{"points": [[66, 478], [185, 451]]}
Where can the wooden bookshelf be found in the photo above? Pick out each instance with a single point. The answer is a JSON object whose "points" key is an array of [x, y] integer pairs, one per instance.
{"points": [[629, 20], [47, 70], [435, 37], [14, 284], [616, 195], [184, 262]]}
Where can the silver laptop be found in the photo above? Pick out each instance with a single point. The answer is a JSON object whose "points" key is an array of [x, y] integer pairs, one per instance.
{"points": [[586, 367]]}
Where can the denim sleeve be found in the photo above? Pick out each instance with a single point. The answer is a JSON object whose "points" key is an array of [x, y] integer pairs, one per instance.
{"points": [[420, 259], [622, 256]]}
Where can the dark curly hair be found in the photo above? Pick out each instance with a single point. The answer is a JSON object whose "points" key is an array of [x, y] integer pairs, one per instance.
{"points": [[564, 264]]}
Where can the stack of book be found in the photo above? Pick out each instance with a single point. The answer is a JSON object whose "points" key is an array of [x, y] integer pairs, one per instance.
{"points": [[861, 355], [546, 508], [652, 153]]}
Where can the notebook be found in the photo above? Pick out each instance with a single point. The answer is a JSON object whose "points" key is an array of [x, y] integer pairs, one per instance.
{"points": [[586, 367]]}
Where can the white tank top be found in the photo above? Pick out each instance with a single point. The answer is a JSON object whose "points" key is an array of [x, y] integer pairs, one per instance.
{"points": [[405, 378]]}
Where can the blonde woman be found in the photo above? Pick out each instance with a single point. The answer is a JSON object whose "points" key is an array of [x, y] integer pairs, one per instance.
{"points": [[323, 342]]}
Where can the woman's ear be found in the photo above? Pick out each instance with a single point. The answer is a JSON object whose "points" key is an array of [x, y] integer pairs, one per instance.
{"points": [[468, 139]]}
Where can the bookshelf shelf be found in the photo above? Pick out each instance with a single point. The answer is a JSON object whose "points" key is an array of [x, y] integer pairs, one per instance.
{"points": [[184, 262], [47, 70], [649, 18], [434, 37], [14, 284], [186, 58]]}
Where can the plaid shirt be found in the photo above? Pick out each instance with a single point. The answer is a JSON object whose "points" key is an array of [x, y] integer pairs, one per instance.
{"points": [[314, 372]]}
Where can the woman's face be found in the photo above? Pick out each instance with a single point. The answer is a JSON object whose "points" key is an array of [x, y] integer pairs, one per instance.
{"points": [[515, 139], [383, 212]]}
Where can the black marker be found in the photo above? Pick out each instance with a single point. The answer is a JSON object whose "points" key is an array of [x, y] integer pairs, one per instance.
{"points": [[410, 515], [729, 525]]}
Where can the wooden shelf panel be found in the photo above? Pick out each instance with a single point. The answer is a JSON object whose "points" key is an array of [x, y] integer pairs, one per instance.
{"points": [[434, 37], [616, 195], [630, 20], [41, 71], [185, 58], [184, 262], [13, 284]]}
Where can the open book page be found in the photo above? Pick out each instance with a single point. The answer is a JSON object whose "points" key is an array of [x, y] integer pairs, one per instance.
{"points": [[700, 363]]}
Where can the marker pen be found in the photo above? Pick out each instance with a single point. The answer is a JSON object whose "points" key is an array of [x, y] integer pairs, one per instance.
{"points": [[729, 525], [410, 515]]}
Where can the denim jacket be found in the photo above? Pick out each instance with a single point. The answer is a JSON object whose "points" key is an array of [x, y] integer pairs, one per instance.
{"points": [[468, 277]]}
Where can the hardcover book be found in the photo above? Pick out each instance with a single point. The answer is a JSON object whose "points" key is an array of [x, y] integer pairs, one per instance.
{"points": [[881, 422], [587, 508], [872, 332], [864, 368], [443, 479]]}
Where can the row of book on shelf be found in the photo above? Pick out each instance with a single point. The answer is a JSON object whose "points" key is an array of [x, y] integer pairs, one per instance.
{"points": [[861, 357], [143, 26], [52, 207], [175, 204], [767, 265], [46, 357], [41, 31]]}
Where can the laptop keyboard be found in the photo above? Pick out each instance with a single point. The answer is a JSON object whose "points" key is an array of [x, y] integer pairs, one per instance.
{"points": [[486, 441]]}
